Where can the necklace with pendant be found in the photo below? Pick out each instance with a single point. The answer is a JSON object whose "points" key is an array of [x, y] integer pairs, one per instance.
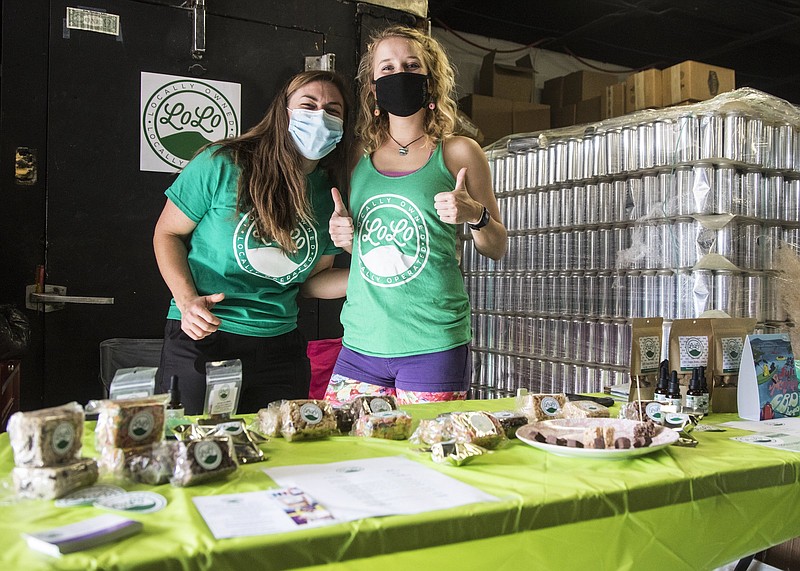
{"points": [[403, 150]]}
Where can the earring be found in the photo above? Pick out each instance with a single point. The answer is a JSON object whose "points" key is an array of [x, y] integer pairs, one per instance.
{"points": [[431, 105], [376, 111]]}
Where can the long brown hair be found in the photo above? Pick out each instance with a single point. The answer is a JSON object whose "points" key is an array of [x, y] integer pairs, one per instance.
{"points": [[272, 184], [439, 122]]}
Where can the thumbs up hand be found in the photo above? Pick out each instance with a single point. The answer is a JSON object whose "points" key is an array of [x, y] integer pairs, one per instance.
{"points": [[340, 225], [457, 206]]}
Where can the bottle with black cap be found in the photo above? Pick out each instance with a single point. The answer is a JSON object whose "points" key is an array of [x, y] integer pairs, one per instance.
{"points": [[174, 411], [674, 391], [694, 396], [661, 392], [705, 391]]}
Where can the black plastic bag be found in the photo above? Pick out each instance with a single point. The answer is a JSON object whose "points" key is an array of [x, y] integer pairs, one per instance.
{"points": [[15, 332]]}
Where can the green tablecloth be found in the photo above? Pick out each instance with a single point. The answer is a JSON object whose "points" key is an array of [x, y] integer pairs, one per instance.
{"points": [[679, 508]]}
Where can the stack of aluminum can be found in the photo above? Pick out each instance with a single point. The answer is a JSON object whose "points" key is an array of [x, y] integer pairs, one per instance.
{"points": [[665, 213]]}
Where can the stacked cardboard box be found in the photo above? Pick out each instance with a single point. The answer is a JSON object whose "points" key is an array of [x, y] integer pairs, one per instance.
{"points": [[589, 96], [577, 97], [503, 103]]}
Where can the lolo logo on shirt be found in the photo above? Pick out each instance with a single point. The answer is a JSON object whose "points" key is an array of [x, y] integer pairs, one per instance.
{"points": [[392, 240], [266, 259]]}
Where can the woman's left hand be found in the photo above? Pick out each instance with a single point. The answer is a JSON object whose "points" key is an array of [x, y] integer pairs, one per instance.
{"points": [[457, 206]]}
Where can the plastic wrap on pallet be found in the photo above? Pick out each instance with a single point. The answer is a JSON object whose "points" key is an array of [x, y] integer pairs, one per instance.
{"points": [[661, 213]]}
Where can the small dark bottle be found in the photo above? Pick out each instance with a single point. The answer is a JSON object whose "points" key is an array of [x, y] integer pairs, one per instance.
{"points": [[661, 393], [674, 391], [705, 391], [694, 396], [174, 410]]}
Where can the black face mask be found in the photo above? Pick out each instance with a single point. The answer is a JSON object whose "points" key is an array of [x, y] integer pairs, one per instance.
{"points": [[401, 94]]}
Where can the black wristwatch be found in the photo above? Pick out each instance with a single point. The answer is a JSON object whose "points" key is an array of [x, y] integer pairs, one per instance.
{"points": [[482, 222]]}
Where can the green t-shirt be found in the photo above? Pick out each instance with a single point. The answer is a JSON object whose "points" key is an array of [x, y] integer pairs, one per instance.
{"points": [[259, 281], [405, 294]]}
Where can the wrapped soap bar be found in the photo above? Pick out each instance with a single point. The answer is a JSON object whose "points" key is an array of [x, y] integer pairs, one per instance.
{"points": [[268, 420], [542, 406], [344, 419], [479, 428], [389, 424], [362, 405], [306, 419], [153, 464], [432, 431], [130, 423], [585, 409], [456, 453], [510, 421], [245, 441], [46, 437], [54, 482], [198, 461], [642, 410]]}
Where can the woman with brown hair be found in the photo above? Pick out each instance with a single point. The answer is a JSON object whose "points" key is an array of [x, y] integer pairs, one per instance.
{"points": [[244, 226]]}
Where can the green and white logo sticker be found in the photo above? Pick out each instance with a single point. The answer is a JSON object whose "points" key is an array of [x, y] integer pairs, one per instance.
{"points": [[63, 438], [311, 413], [141, 425], [392, 240], [266, 259], [138, 502], [181, 114], [379, 405], [208, 454]]}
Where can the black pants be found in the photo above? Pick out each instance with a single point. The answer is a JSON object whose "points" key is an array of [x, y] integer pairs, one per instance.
{"points": [[273, 368]]}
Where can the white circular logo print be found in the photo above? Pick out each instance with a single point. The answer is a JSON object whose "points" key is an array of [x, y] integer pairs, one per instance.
{"points": [[141, 425], [653, 412], [392, 240], [183, 115], [311, 413], [208, 454], [379, 405], [266, 259], [550, 406], [63, 437]]}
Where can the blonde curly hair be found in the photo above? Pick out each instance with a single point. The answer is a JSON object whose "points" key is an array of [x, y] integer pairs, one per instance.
{"points": [[440, 122]]}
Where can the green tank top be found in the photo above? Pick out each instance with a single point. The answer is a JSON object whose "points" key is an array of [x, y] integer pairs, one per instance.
{"points": [[405, 294]]}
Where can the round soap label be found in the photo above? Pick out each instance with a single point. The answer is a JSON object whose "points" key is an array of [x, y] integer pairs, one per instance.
{"points": [[550, 406], [379, 405], [230, 428], [139, 502], [208, 454], [311, 413], [88, 496], [481, 423], [141, 425], [653, 412], [63, 438]]}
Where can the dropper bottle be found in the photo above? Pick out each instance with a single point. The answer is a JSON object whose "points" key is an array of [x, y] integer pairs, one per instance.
{"points": [[674, 391], [174, 411], [694, 396], [661, 392]]}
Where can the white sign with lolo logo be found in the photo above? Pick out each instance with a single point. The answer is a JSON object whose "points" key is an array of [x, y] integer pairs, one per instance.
{"points": [[181, 114]]}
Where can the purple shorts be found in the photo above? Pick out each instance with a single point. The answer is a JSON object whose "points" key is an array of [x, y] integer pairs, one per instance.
{"points": [[443, 371]]}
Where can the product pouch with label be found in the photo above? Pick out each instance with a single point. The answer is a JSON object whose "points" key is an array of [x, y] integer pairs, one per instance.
{"points": [[729, 338], [223, 387], [690, 346], [46, 437], [768, 385], [133, 383], [646, 334]]}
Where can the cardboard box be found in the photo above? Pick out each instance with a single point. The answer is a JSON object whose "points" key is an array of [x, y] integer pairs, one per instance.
{"points": [[644, 90], [530, 117], [493, 115], [612, 102], [588, 110], [582, 85], [553, 92], [513, 82], [562, 116], [695, 81]]}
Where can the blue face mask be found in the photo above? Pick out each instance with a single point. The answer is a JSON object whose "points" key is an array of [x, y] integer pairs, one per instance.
{"points": [[315, 133]]}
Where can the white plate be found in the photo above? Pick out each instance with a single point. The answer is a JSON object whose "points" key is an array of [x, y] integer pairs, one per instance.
{"points": [[575, 426]]}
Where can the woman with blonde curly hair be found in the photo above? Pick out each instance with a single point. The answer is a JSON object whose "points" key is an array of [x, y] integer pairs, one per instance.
{"points": [[407, 316]]}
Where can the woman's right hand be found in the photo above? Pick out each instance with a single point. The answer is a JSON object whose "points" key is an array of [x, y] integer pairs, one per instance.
{"points": [[197, 321], [340, 226]]}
